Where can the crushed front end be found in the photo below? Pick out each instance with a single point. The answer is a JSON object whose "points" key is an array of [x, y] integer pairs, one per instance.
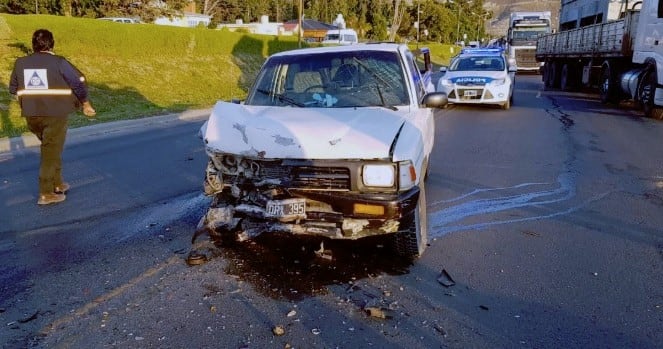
{"points": [[329, 198]]}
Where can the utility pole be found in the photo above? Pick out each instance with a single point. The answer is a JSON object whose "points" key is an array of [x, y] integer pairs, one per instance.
{"points": [[36, 7], [301, 29], [458, 23], [418, 22]]}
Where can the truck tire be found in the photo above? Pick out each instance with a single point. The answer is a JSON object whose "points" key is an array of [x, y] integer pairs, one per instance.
{"points": [[646, 93], [552, 75], [567, 78], [548, 80], [608, 86], [411, 240]]}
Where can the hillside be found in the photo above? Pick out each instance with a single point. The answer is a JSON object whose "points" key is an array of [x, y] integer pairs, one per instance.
{"points": [[502, 8], [142, 70], [139, 70]]}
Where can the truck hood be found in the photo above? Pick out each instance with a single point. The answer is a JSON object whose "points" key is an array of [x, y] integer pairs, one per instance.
{"points": [[302, 133]]}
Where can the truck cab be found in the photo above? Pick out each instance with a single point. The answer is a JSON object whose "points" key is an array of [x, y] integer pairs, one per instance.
{"points": [[524, 28]]}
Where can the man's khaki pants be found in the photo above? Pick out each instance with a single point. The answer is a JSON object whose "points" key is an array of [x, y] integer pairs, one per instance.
{"points": [[52, 132]]}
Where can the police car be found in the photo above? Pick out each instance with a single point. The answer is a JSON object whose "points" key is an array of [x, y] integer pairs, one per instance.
{"points": [[479, 76]]}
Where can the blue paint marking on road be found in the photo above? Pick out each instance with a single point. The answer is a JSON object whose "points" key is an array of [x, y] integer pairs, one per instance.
{"points": [[447, 220]]}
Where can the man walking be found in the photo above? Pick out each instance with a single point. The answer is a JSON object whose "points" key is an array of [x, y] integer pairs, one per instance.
{"points": [[49, 88]]}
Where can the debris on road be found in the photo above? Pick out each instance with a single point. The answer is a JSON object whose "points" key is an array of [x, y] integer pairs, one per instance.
{"points": [[196, 258], [291, 313], [316, 331], [377, 313], [483, 307], [445, 279], [441, 330], [29, 318], [278, 330], [324, 254]]}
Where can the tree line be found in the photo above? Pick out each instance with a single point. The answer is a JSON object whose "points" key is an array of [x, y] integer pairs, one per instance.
{"points": [[439, 21]]}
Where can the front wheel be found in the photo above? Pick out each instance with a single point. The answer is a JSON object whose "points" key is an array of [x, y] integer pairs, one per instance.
{"points": [[608, 86], [646, 94], [412, 238]]}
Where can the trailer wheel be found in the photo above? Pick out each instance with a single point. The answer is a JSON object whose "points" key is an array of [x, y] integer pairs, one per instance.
{"points": [[555, 72], [608, 86], [646, 94], [567, 79], [548, 80]]}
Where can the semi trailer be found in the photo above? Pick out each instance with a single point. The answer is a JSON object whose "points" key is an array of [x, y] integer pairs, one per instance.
{"points": [[613, 46]]}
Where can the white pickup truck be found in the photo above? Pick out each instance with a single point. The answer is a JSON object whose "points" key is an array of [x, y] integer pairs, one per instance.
{"points": [[331, 142]]}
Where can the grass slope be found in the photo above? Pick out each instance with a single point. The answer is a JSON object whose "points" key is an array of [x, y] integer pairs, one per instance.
{"points": [[136, 71]]}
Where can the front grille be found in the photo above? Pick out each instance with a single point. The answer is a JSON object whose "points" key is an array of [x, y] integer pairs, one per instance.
{"points": [[305, 177], [320, 178], [526, 58]]}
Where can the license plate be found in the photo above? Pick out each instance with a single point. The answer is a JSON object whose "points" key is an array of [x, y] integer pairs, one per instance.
{"points": [[470, 93], [289, 208]]}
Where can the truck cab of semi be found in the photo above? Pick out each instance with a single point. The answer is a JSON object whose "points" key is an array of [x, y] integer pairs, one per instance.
{"points": [[524, 29]]}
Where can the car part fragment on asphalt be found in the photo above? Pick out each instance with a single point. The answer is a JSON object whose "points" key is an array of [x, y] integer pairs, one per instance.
{"points": [[445, 279], [377, 312], [196, 258]]}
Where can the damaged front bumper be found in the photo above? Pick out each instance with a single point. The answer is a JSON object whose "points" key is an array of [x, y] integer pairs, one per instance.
{"points": [[336, 215]]}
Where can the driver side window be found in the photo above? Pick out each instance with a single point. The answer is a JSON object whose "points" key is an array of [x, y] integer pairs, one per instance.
{"points": [[416, 79]]}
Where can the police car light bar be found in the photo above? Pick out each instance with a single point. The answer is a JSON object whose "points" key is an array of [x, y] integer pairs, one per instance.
{"points": [[484, 51]]}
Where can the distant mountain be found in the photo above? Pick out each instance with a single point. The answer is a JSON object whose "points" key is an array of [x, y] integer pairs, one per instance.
{"points": [[498, 25]]}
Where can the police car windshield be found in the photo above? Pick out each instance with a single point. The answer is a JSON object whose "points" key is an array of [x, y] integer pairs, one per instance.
{"points": [[478, 63]]}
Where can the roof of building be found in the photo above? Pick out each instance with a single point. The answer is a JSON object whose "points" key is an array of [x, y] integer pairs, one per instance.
{"points": [[309, 24]]}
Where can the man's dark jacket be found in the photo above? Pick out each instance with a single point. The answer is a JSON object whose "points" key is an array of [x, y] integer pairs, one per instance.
{"points": [[47, 85]]}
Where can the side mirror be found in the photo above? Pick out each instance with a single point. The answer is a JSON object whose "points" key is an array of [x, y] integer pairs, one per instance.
{"points": [[443, 69], [513, 69], [435, 100]]}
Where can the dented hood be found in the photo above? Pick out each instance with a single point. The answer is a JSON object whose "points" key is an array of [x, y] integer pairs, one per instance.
{"points": [[302, 133]]}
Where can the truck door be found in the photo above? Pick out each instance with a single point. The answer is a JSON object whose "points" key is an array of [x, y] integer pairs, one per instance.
{"points": [[649, 35]]}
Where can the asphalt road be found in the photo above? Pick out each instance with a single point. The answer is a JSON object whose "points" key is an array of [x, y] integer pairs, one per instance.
{"points": [[547, 217]]}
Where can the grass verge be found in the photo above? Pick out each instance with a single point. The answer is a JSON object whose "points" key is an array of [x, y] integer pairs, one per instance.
{"points": [[136, 71]]}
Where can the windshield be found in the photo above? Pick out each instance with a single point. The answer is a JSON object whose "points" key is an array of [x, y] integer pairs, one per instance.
{"points": [[478, 63], [331, 80], [529, 33]]}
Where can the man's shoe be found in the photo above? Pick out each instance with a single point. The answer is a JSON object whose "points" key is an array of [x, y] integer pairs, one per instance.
{"points": [[62, 188], [46, 199]]}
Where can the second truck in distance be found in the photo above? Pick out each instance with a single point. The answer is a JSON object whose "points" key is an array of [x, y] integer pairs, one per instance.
{"points": [[615, 46]]}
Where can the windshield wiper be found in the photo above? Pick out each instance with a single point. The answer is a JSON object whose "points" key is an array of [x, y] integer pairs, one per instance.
{"points": [[377, 85], [281, 97], [391, 107]]}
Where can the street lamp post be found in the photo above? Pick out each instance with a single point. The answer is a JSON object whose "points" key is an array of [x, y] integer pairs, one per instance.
{"points": [[418, 22], [458, 22], [301, 29]]}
